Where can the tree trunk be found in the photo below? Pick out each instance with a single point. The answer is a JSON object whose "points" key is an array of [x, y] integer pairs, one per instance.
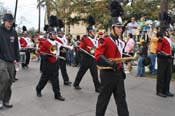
{"points": [[163, 11]]}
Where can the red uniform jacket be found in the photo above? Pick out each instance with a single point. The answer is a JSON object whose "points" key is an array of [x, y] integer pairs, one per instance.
{"points": [[164, 46], [45, 48], [109, 49], [41, 40], [23, 42], [86, 44]]}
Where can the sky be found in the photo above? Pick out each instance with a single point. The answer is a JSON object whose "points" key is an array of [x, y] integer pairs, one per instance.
{"points": [[27, 12]]}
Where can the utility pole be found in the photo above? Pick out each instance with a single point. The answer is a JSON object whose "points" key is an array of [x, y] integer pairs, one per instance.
{"points": [[16, 6], [39, 16], [163, 12]]}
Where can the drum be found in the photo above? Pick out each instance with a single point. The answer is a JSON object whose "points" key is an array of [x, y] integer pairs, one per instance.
{"points": [[22, 57], [27, 49], [31, 49]]}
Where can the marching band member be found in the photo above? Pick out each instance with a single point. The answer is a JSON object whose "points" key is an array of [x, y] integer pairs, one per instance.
{"points": [[164, 55], [62, 59], [25, 42], [49, 66], [112, 79], [38, 47], [87, 46]]}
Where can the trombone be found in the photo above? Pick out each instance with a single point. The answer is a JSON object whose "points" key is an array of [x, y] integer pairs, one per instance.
{"points": [[118, 60], [52, 50]]}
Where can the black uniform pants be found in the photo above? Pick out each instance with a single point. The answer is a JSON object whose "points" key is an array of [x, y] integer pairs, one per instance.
{"points": [[49, 72], [27, 59], [112, 83], [87, 63], [163, 75], [62, 66], [53, 77]]}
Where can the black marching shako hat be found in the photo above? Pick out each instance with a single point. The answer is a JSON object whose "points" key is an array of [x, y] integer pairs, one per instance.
{"points": [[91, 23], [90, 28], [116, 13], [8, 17], [51, 30], [116, 21]]}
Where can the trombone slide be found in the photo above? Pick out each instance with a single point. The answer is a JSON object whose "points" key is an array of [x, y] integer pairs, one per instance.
{"points": [[116, 60]]}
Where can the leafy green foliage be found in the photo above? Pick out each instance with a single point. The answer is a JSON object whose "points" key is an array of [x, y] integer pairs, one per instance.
{"points": [[74, 11]]}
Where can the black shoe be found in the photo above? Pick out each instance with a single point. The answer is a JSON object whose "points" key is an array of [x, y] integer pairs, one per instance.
{"points": [[98, 90], [7, 105], [1, 105], [161, 95], [15, 79], [169, 94], [59, 97], [38, 93], [77, 87], [68, 83]]}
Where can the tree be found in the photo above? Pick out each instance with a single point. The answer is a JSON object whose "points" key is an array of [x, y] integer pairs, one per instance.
{"points": [[164, 15], [74, 11], [48, 4], [140, 8]]}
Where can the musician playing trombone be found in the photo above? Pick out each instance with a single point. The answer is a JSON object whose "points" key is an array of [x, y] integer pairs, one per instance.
{"points": [[112, 80], [87, 48], [49, 67]]}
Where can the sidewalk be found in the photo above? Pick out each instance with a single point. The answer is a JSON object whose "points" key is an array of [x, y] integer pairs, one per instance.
{"points": [[141, 97]]}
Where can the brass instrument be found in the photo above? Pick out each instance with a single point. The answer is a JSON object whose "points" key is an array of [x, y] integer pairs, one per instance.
{"points": [[52, 50], [118, 60], [61, 57], [87, 53], [92, 50], [67, 47]]}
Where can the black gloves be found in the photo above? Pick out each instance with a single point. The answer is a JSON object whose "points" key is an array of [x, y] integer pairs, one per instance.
{"points": [[114, 66], [103, 61], [45, 57]]}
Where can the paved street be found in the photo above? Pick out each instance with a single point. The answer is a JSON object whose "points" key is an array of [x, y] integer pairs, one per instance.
{"points": [[141, 97]]}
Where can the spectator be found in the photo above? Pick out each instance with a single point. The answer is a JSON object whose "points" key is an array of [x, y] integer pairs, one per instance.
{"points": [[152, 53], [129, 49], [142, 54], [9, 55]]}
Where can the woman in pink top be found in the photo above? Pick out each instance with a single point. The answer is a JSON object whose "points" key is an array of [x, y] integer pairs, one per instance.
{"points": [[129, 49]]}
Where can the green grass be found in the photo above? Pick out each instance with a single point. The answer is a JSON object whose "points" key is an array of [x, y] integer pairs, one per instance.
{"points": [[147, 74]]}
